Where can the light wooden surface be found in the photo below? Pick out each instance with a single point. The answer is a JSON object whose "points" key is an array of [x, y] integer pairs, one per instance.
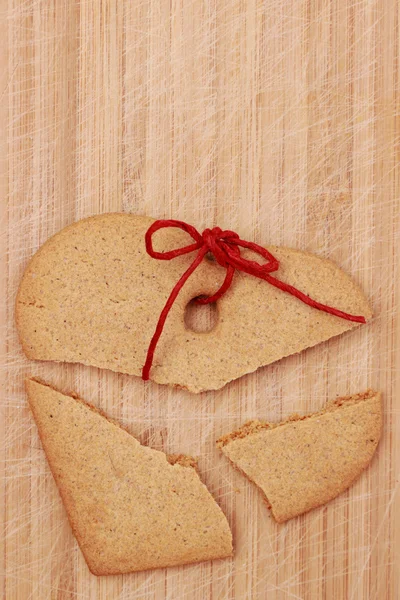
{"points": [[277, 118]]}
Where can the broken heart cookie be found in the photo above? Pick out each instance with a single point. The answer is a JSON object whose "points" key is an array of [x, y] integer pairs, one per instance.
{"points": [[304, 462], [107, 292], [131, 508]]}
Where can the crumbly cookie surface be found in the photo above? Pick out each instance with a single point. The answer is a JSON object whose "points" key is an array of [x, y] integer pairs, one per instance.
{"points": [[304, 462], [93, 295], [130, 507]]}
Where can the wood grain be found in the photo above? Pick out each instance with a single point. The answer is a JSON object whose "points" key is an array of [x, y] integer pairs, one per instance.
{"points": [[278, 118]]}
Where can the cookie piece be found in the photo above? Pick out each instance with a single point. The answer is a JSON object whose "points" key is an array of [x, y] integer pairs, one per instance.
{"points": [[304, 462], [93, 295], [129, 507]]}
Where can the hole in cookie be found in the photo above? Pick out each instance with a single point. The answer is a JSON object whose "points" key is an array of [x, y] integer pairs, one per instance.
{"points": [[201, 318]]}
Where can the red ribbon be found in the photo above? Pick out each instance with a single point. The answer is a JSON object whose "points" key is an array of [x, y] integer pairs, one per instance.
{"points": [[225, 246]]}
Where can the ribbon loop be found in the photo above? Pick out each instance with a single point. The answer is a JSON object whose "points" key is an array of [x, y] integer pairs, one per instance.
{"points": [[225, 247], [162, 224]]}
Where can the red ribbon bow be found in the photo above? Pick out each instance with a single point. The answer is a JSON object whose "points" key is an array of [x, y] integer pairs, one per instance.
{"points": [[225, 246]]}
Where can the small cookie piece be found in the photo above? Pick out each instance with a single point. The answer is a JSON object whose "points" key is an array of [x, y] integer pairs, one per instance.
{"points": [[304, 462], [93, 295], [129, 507]]}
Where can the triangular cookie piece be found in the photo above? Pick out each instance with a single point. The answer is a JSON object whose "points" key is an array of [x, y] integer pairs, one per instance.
{"points": [[129, 507], [304, 462], [93, 295]]}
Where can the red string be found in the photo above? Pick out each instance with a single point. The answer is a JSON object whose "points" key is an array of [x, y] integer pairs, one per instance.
{"points": [[225, 246]]}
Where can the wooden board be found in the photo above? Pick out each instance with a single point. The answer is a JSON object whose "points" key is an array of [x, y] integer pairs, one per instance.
{"points": [[276, 118]]}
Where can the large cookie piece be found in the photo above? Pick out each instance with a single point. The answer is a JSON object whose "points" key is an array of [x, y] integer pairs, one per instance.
{"points": [[304, 462], [93, 295], [129, 506]]}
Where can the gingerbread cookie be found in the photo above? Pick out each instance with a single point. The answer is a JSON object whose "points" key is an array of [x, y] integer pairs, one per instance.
{"points": [[131, 508], [304, 462], [92, 294]]}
